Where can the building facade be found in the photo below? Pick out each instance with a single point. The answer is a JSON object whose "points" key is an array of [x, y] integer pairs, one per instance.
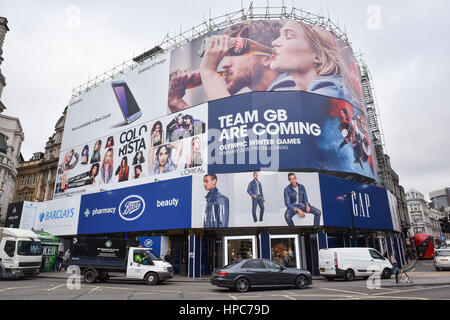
{"points": [[36, 177], [12, 137], [424, 219], [441, 199], [261, 171]]}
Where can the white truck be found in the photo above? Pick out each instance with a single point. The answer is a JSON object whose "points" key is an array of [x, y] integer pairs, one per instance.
{"points": [[349, 263], [20, 253], [100, 259]]}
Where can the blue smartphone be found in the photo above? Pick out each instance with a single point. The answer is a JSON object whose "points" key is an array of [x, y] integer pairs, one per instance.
{"points": [[128, 105]]}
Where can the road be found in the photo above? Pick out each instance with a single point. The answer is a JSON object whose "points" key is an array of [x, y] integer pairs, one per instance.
{"points": [[42, 288]]}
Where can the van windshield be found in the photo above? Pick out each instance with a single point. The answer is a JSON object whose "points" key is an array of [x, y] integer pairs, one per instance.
{"points": [[29, 248], [152, 254]]}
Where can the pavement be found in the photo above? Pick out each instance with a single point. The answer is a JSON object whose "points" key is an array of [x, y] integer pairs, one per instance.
{"points": [[418, 277]]}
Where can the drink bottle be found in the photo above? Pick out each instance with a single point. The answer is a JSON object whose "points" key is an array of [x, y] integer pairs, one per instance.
{"points": [[240, 46], [196, 79]]}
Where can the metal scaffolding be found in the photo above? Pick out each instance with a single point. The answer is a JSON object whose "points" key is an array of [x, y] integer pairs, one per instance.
{"points": [[374, 119]]}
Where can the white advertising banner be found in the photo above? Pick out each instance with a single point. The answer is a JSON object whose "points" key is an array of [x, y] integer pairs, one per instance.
{"points": [[394, 212], [58, 217], [28, 214], [161, 148], [249, 200]]}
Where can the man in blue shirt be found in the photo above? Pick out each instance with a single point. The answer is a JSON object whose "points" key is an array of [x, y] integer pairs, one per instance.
{"points": [[217, 205], [296, 201], [255, 191]]}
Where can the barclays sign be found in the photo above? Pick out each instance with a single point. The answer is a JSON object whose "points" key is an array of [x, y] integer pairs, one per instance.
{"points": [[58, 217], [56, 214], [131, 208]]}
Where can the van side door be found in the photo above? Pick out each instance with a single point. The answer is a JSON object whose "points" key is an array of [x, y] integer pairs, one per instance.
{"points": [[138, 263], [377, 260]]}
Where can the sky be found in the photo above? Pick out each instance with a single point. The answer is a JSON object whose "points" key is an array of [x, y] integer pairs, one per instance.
{"points": [[55, 46]]}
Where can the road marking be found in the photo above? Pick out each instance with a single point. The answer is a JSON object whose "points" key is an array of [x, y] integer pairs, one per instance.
{"points": [[54, 288], [346, 291], [94, 289], [409, 290], [13, 288], [283, 295], [233, 297], [145, 293]]}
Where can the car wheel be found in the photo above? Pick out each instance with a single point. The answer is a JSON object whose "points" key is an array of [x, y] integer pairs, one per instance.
{"points": [[89, 276], [151, 279], [349, 275], [386, 274], [301, 282], [242, 284]]}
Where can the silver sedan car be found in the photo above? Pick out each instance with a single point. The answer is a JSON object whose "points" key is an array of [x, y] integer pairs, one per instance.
{"points": [[442, 259]]}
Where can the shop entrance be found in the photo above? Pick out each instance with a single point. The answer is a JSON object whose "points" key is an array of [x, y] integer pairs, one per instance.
{"points": [[239, 247], [179, 250], [284, 249]]}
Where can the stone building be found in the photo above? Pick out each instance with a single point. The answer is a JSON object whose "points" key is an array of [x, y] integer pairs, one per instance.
{"points": [[36, 177], [11, 139]]}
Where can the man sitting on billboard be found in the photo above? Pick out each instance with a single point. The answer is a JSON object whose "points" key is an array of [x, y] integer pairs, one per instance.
{"points": [[296, 201], [250, 72]]}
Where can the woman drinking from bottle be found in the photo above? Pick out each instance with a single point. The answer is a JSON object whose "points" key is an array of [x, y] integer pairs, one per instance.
{"points": [[310, 56]]}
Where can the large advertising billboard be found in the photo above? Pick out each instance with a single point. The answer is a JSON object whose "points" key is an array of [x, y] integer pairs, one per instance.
{"points": [[263, 56], [114, 134], [256, 199], [288, 131], [164, 148]]}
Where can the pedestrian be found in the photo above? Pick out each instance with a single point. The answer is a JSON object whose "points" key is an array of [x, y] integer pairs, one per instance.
{"points": [[168, 257], [67, 258], [43, 264], [394, 265], [59, 260]]}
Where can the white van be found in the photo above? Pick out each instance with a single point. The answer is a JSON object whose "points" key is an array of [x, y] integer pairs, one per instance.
{"points": [[349, 263]]}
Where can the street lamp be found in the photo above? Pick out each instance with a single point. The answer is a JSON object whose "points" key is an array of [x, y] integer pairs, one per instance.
{"points": [[352, 233]]}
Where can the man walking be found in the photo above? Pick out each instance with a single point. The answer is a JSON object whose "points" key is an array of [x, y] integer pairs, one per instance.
{"points": [[296, 201], [67, 259], [255, 191]]}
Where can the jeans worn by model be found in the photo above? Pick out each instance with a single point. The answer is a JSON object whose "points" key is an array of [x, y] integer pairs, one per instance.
{"points": [[298, 200], [258, 201], [289, 214], [217, 210], [255, 189]]}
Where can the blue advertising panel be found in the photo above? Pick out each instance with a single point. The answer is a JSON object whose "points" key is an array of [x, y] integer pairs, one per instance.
{"points": [[152, 242], [288, 130], [154, 206], [343, 200]]}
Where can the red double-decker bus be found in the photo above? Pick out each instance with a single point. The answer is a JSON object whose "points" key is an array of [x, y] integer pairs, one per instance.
{"points": [[424, 246]]}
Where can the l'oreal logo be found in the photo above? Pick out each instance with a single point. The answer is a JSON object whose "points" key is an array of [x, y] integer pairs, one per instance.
{"points": [[131, 208]]}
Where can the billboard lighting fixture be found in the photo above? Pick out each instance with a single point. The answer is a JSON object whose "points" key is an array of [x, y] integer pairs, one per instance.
{"points": [[147, 54]]}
